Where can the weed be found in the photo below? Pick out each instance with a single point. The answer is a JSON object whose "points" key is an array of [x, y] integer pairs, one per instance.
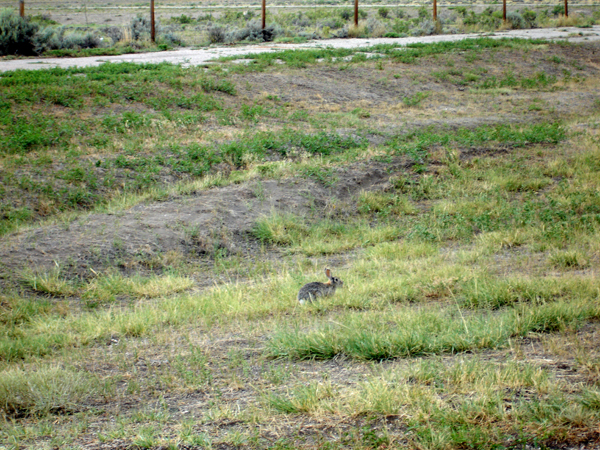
{"points": [[325, 176], [384, 204], [305, 399], [51, 283], [280, 229], [569, 260], [415, 99]]}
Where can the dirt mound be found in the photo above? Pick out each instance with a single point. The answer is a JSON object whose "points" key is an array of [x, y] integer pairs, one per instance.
{"points": [[196, 226]]}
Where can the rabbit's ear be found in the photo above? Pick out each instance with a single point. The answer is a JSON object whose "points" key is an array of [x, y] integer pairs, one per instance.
{"points": [[328, 273]]}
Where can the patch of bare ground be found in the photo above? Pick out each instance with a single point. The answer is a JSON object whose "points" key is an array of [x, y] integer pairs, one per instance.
{"points": [[192, 226]]}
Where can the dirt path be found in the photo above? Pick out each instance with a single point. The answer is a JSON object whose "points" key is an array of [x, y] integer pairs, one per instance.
{"points": [[188, 56]]}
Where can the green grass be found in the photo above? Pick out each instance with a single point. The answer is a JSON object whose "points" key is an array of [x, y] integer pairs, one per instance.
{"points": [[405, 54], [406, 333], [418, 143], [105, 287]]}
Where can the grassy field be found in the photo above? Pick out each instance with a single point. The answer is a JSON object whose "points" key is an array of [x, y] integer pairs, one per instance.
{"points": [[454, 188]]}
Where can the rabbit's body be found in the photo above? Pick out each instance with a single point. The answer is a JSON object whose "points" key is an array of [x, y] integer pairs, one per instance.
{"points": [[311, 291]]}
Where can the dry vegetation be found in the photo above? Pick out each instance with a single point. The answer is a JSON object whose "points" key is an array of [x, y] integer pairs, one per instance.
{"points": [[95, 28], [156, 233]]}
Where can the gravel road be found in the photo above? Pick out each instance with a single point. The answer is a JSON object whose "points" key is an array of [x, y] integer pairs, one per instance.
{"points": [[188, 56]]}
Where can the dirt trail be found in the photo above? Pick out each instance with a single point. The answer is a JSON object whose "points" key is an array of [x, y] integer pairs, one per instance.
{"points": [[193, 57]]}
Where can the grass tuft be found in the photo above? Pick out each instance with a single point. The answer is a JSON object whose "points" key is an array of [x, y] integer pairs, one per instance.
{"points": [[47, 389]]}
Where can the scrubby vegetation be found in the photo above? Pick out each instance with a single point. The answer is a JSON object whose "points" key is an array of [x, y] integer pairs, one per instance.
{"points": [[453, 187], [40, 35], [323, 23]]}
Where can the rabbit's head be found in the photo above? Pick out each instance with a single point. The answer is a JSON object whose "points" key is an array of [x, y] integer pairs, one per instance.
{"points": [[333, 281]]}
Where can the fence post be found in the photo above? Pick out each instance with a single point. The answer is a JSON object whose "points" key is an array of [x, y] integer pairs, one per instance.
{"points": [[435, 10], [355, 13], [152, 25], [264, 14], [504, 11], [22, 8], [566, 9]]}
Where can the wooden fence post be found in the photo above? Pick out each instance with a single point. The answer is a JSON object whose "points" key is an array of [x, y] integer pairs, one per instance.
{"points": [[152, 25], [355, 13], [22, 8], [435, 10], [566, 9], [264, 14]]}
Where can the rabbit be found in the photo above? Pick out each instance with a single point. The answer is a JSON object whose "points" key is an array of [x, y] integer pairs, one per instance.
{"points": [[309, 292]]}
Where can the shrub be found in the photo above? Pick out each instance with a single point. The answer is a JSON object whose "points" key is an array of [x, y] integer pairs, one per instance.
{"points": [[356, 31], [375, 28], [183, 19], [44, 40], [462, 11], [171, 39], [308, 35], [558, 10], [424, 13], [346, 13], [426, 27], [401, 26], [530, 18], [55, 39], [342, 34], [301, 20], [254, 32], [564, 21], [16, 34], [470, 18], [383, 12], [232, 16], [516, 20], [115, 33], [216, 34], [77, 40], [140, 28], [43, 19]]}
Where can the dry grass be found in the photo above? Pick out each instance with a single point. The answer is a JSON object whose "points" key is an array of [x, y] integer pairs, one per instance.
{"points": [[356, 31], [571, 21]]}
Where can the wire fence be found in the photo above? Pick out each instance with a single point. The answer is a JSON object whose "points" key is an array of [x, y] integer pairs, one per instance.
{"points": [[122, 12], [122, 8]]}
